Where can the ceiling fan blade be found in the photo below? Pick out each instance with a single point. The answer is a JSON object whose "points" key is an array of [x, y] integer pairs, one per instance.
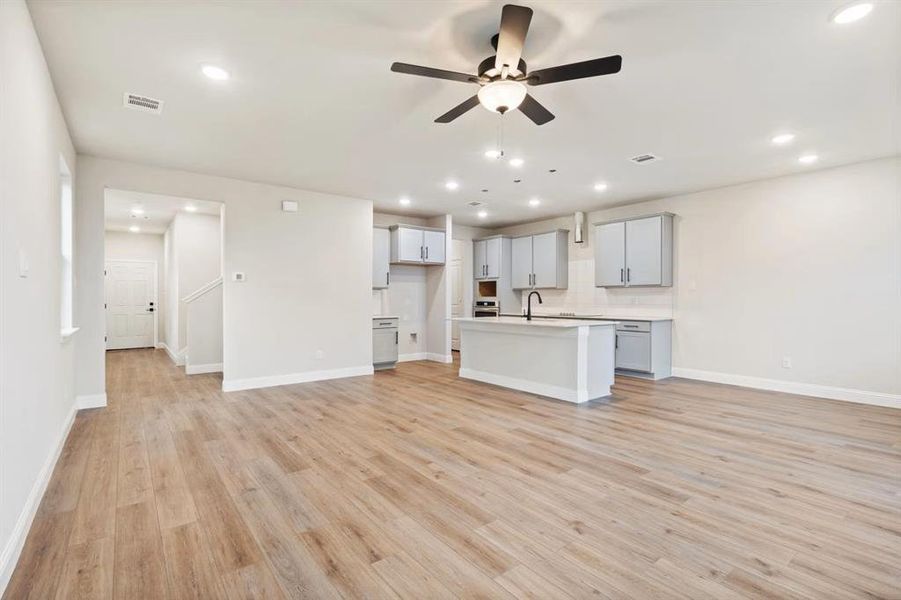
{"points": [[512, 36], [430, 72], [589, 68], [533, 109], [458, 110]]}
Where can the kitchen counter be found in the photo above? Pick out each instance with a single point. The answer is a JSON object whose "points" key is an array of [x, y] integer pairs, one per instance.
{"points": [[566, 359], [594, 317], [538, 321], [374, 317]]}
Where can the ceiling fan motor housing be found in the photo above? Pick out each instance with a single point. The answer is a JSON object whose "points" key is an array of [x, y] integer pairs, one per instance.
{"points": [[489, 71]]}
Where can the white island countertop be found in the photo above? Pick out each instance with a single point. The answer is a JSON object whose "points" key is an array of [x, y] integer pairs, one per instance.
{"points": [[596, 317], [537, 322]]}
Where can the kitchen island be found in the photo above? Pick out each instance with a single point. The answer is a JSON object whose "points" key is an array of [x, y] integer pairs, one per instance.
{"points": [[566, 359]]}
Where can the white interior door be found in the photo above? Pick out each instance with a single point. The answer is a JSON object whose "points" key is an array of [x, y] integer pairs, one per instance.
{"points": [[456, 277], [130, 304]]}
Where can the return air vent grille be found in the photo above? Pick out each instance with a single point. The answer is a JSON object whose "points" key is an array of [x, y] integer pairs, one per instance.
{"points": [[644, 158], [143, 103], [475, 203]]}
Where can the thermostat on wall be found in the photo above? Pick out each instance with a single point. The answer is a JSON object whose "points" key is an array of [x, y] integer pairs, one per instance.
{"points": [[289, 206], [236, 276]]}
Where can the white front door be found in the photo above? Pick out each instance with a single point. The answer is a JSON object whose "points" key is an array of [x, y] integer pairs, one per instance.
{"points": [[131, 304], [456, 277]]}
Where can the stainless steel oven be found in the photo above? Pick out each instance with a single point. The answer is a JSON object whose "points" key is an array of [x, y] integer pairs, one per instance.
{"points": [[485, 308]]}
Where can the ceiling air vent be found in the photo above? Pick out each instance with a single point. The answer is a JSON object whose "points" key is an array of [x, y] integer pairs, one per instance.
{"points": [[644, 158], [475, 203], [138, 102]]}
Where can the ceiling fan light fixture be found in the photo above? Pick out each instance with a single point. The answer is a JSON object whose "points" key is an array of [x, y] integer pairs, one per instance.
{"points": [[502, 96]]}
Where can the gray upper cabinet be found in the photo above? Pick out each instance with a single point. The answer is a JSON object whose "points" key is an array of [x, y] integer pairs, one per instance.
{"points": [[541, 260], [634, 252], [433, 243], [521, 257], [417, 245], [486, 258], [610, 255], [381, 257]]}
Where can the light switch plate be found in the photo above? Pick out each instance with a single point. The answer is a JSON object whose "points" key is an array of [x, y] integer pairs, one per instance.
{"points": [[289, 206]]}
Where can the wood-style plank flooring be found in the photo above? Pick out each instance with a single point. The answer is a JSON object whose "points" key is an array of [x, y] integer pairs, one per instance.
{"points": [[416, 484]]}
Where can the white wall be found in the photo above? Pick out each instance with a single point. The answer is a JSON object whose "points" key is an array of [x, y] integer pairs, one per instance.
{"points": [[37, 400], [120, 245], [203, 342], [806, 266], [294, 302], [196, 261]]}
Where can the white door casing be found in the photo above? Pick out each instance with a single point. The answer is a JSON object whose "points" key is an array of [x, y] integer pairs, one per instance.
{"points": [[457, 303], [131, 304]]}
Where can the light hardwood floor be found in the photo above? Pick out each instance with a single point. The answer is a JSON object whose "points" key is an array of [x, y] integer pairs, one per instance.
{"points": [[416, 484]]}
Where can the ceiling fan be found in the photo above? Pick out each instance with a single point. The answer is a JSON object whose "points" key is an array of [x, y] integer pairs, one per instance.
{"points": [[502, 76]]}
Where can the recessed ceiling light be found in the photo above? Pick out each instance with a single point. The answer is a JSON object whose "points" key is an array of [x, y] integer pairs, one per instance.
{"points": [[534, 202], [493, 153], [482, 214], [404, 201], [600, 186], [134, 229], [191, 208], [451, 185], [516, 162], [852, 13], [808, 159], [137, 210], [783, 139], [215, 73]]}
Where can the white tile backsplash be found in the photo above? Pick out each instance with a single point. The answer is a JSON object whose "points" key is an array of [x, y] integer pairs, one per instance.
{"points": [[582, 297]]}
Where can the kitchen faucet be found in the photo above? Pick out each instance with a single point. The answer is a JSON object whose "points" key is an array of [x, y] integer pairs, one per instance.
{"points": [[529, 303]]}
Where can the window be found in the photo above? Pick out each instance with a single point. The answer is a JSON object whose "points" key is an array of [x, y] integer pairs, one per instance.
{"points": [[65, 236]]}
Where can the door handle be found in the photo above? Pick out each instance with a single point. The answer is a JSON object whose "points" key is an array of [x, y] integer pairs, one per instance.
{"points": [[149, 310]]}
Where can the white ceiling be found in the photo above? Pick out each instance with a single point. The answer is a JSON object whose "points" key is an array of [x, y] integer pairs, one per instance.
{"points": [[312, 103], [158, 210]]}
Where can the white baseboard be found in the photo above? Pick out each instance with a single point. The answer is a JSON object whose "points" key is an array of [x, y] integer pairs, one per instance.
{"points": [[542, 389], [198, 369], [90, 401], [10, 555], [177, 357], [792, 387], [234, 385], [412, 356], [434, 356]]}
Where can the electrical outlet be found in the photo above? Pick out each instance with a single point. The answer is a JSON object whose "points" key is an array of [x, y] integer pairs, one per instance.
{"points": [[320, 354], [786, 362]]}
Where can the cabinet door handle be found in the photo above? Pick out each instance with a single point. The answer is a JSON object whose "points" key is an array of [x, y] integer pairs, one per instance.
{"points": [[388, 278], [621, 278], [426, 252], [615, 342], [628, 274], [395, 338]]}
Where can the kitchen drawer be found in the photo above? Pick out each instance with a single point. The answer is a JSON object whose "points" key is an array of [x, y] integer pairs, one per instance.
{"points": [[634, 326], [384, 323]]}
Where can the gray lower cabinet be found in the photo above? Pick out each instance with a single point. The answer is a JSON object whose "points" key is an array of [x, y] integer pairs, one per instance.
{"points": [[384, 342], [644, 348]]}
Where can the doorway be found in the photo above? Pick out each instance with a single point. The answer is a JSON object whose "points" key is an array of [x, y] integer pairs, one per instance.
{"points": [[458, 252]]}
